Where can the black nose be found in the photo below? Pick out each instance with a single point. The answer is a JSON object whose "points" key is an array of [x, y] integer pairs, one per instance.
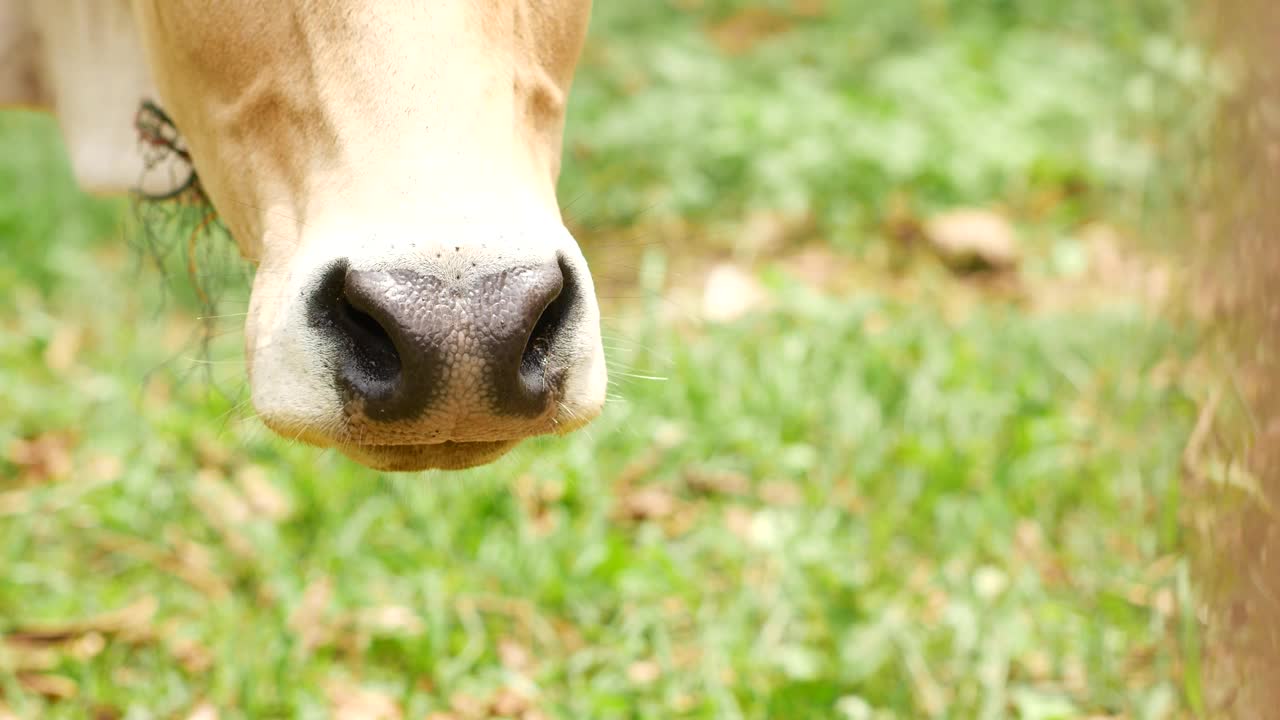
{"points": [[409, 343]]}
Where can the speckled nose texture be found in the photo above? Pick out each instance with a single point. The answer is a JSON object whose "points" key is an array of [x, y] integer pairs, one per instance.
{"points": [[461, 344]]}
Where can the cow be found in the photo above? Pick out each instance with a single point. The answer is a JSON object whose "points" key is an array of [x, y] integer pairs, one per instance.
{"points": [[390, 168]]}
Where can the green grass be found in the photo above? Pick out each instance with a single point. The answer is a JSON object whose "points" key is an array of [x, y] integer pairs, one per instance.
{"points": [[864, 505], [834, 115]]}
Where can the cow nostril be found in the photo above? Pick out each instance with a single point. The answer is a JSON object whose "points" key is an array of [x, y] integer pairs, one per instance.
{"points": [[372, 348], [543, 336]]}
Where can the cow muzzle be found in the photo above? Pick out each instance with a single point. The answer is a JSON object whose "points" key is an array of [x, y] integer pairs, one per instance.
{"points": [[441, 358]]}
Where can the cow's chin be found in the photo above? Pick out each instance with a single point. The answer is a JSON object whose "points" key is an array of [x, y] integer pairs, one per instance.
{"points": [[436, 456]]}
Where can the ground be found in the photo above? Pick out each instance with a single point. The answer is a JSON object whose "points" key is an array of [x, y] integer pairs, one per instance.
{"points": [[880, 491]]}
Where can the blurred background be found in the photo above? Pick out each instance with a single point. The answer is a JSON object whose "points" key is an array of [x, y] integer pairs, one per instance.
{"points": [[899, 417]]}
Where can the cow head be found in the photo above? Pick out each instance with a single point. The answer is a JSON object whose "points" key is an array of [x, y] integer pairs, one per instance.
{"points": [[391, 167]]}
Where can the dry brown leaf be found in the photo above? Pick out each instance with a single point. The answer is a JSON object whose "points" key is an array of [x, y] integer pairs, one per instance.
{"points": [[508, 702], [643, 672], [972, 240], [389, 620], [537, 497], [211, 453], [1038, 665], [189, 560], [194, 657], [513, 655], [219, 502], [107, 712], [1075, 675], [1165, 602], [739, 521], [684, 519], [820, 268], [104, 468], [778, 492], [24, 657], [131, 619], [203, 711], [307, 620], [224, 509], [809, 8], [767, 232], [43, 458], [648, 503], [87, 646], [743, 30], [638, 468], [263, 496], [730, 292], [716, 483], [61, 352], [52, 687], [351, 702], [468, 706]]}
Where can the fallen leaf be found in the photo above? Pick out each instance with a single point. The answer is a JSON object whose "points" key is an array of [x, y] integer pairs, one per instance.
{"points": [[537, 498], [513, 655], [105, 468], [23, 657], [716, 483], [389, 620], [127, 677], [263, 496], [307, 619], [818, 267], [194, 657], [60, 354], [131, 619], [1028, 537], [52, 687], [351, 702], [643, 672], [973, 240], [507, 702], [1075, 676], [217, 500], [638, 468], [669, 435], [649, 503], [107, 712], [189, 560], [767, 232], [211, 453], [87, 646], [778, 492], [1038, 665], [809, 8], [729, 293], [740, 522], [742, 31], [225, 510], [203, 711], [43, 458], [468, 706]]}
